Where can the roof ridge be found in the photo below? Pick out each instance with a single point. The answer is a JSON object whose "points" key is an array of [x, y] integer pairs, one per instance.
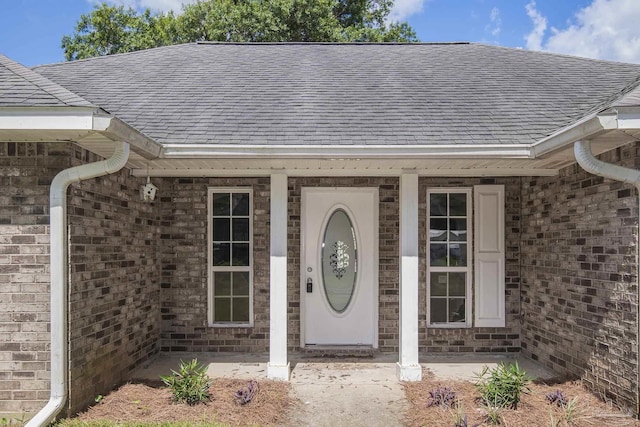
{"points": [[54, 89], [299, 43]]}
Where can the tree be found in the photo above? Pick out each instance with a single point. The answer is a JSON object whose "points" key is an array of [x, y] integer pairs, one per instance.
{"points": [[115, 29]]}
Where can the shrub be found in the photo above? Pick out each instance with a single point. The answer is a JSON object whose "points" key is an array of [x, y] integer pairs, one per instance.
{"points": [[503, 386], [190, 384], [442, 396], [557, 397], [246, 394], [460, 419]]}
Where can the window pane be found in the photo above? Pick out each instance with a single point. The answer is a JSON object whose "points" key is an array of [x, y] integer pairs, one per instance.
{"points": [[438, 229], [221, 229], [222, 284], [457, 284], [457, 254], [241, 283], [438, 254], [457, 204], [221, 204], [438, 310], [241, 229], [240, 203], [458, 227], [241, 309], [222, 309], [439, 284], [241, 254], [221, 254], [457, 311], [438, 205]]}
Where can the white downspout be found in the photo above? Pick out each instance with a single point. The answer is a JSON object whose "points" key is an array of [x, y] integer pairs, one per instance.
{"points": [[585, 158], [59, 274]]}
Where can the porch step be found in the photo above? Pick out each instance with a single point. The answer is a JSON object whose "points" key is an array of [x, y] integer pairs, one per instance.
{"points": [[338, 351]]}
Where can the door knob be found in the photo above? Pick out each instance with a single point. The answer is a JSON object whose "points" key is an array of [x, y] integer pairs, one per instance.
{"points": [[309, 285]]}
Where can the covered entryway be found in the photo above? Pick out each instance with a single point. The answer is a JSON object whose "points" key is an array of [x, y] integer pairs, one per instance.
{"points": [[339, 266]]}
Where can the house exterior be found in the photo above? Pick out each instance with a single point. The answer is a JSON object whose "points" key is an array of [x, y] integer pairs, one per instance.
{"points": [[414, 199]]}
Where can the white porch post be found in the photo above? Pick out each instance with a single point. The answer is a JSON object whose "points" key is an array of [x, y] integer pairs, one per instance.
{"points": [[408, 368], [278, 367]]}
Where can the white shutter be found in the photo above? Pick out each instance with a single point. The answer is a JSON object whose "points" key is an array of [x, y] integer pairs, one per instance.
{"points": [[489, 256]]}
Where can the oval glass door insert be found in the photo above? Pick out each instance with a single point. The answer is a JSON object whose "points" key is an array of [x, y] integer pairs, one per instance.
{"points": [[339, 260]]}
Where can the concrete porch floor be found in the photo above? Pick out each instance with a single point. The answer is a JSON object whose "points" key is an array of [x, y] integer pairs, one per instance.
{"points": [[341, 391], [254, 365]]}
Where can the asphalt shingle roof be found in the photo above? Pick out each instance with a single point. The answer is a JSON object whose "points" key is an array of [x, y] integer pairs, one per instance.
{"points": [[345, 93], [22, 87]]}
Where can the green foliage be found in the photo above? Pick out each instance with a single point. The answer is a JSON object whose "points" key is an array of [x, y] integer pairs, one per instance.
{"points": [[459, 417], [190, 384], [503, 386], [572, 411], [494, 414], [116, 29], [4, 421]]}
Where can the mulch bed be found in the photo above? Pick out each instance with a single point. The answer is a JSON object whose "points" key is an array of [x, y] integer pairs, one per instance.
{"points": [[534, 409], [142, 403]]}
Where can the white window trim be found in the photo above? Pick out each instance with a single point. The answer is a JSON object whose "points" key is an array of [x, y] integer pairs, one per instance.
{"points": [[468, 269], [211, 269]]}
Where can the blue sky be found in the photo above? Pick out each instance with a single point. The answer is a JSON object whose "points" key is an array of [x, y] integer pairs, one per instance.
{"points": [[30, 30]]}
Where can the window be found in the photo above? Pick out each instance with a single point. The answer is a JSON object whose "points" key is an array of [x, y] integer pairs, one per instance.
{"points": [[230, 257], [449, 257]]}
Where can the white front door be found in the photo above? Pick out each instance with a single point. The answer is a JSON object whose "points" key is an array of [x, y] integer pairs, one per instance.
{"points": [[339, 266]]}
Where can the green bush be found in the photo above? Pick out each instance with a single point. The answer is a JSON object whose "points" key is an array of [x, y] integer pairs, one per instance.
{"points": [[503, 386], [190, 384]]}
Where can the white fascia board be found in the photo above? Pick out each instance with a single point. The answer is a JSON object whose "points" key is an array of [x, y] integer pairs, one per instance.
{"points": [[586, 128], [51, 118], [491, 172], [232, 151]]}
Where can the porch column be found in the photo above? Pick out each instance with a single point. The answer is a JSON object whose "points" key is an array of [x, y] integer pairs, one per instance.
{"points": [[408, 368], [278, 367]]}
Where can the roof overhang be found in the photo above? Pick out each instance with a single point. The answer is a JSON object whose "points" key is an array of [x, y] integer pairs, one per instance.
{"points": [[71, 124], [95, 130]]}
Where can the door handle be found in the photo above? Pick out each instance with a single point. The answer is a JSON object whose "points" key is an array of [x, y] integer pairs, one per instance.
{"points": [[309, 285]]}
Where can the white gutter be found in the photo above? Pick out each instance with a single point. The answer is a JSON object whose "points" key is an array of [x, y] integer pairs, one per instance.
{"points": [[589, 163], [59, 274]]}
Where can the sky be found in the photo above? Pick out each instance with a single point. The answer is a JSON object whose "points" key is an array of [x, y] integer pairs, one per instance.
{"points": [[31, 30]]}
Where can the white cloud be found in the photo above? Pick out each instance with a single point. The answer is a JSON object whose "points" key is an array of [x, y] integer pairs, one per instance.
{"points": [[606, 29], [534, 38], [402, 9], [495, 22]]}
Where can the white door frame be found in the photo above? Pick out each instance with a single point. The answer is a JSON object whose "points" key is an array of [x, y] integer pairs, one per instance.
{"points": [[375, 274]]}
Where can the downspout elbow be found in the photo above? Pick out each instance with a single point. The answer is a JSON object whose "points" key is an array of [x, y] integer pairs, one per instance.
{"points": [[586, 159], [59, 275], [62, 180]]}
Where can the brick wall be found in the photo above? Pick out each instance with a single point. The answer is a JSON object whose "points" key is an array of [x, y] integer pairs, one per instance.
{"points": [[26, 170], [115, 267], [114, 315], [579, 276], [184, 267]]}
